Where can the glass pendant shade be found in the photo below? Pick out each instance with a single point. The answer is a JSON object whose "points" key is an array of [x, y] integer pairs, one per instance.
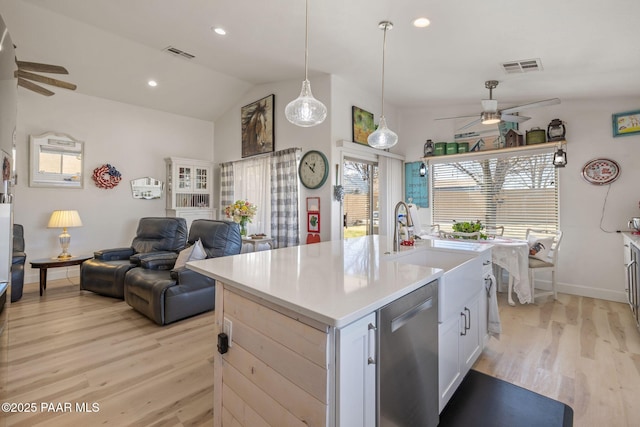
{"points": [[305, 110], [383, 137]]}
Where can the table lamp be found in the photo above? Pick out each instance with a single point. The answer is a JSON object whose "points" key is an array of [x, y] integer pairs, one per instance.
{"points": [[64, 220]]}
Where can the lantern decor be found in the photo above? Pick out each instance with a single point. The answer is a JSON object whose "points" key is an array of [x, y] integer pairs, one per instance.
{"points": [[556, 130]]}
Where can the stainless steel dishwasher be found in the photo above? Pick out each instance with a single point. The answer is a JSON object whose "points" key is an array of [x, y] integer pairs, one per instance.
{"points": [[407, 385]]}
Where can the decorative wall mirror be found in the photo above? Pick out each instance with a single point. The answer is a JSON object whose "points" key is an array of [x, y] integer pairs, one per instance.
{"points": [[146, 188], [56, 160]]}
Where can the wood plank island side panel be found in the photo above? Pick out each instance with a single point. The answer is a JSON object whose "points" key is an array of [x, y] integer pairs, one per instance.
{"points": [[238, 413], [217, 357], [297, 401], [307, 342], [259, 400], [286, 362]]}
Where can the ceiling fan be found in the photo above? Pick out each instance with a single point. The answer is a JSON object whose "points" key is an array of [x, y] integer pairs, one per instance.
{"points": [[26, 76], [491, 115]]}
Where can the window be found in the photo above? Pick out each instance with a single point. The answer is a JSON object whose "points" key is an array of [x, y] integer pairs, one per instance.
{"points": [[515, 190], [56, 161]]}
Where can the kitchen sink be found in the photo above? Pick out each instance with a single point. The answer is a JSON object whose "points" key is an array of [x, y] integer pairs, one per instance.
{"points": [[462, 277]]}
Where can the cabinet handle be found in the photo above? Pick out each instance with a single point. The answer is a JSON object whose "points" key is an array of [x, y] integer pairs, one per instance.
{"points": [[465, 323], [487, 262], [629, 281], [371, 360]]}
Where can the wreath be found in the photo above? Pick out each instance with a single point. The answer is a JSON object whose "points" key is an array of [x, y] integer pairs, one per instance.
{"points": [[106, 176]]}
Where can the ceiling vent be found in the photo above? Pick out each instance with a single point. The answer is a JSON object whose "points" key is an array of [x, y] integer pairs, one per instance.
{"points": [[522, 66], [177, 52]]}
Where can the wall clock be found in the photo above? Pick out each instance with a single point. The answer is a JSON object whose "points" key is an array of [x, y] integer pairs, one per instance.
{"points": [[601, 171], [313, 169]]}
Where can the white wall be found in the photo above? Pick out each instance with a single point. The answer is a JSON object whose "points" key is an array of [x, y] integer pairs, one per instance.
{"points": [[590, 260], [228, 139], [135, 140]]}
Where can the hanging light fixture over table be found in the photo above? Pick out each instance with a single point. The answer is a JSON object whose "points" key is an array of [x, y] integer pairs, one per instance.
{"points": [[305, 110], [383, 137]]}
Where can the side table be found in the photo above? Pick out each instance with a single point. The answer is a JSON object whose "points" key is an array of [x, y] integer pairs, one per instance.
{"points": [[256, 242], [45, 263]]}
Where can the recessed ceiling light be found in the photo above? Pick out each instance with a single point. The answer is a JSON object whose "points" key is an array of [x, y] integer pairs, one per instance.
{"points": [[152, 83], [421, 22], [219, 31]]}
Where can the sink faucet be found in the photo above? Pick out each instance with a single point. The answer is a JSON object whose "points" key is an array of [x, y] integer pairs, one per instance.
{"points": [[396, 234]]}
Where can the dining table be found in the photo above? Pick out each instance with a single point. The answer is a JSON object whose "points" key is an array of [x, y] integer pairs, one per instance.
{"points": [[512, 255]]}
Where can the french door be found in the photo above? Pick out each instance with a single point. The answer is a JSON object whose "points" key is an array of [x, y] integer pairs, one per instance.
{"points": [[361, 201]]}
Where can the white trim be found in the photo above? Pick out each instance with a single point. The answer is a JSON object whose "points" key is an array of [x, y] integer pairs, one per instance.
{"points": [[365, 152]]}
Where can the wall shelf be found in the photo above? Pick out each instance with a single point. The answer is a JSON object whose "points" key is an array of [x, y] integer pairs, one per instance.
{"points": [[501, 152]]}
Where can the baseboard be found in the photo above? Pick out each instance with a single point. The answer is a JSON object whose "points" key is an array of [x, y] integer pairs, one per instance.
{"points": [[584, 291]]}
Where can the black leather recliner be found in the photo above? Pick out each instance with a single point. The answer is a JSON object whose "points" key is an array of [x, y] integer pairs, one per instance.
{"points": [[166, 295], [17, 263], [105, 273]]}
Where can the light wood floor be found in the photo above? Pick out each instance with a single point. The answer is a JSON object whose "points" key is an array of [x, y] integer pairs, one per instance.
{"points": [[73, 346]]}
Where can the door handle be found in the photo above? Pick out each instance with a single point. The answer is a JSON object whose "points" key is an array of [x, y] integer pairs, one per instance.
{"points": [[402, 320], [465, 323], [371, 344]]}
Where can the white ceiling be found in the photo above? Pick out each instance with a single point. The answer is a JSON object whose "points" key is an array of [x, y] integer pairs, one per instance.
{"points": [[588, 48]]}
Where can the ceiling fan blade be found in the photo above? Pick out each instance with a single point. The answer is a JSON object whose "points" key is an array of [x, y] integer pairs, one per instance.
{"points": [[514, 118], [41, 68], [456, 117], [468, 125], [34, 87], [544, 103], [46, 80], [490, 105]]}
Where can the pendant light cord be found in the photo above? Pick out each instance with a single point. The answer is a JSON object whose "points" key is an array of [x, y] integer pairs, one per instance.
{"points": [[384, 44], [306, 41]]}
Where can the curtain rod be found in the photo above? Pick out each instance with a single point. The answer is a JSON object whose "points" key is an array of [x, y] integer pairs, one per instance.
{"points": [[284, 151]]}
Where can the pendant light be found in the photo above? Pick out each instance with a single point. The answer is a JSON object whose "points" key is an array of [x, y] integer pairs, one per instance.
{"points": [[383, 137], [305, 110]]}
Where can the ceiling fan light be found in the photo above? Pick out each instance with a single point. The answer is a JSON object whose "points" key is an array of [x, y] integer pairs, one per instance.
{"points": [[305, 110], [383, 137], [490, 118]]}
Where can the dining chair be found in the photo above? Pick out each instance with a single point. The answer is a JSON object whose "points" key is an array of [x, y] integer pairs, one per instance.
{"points": [[492, 232], [543, 256]]}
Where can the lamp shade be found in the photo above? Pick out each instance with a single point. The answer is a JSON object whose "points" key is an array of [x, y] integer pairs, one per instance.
{"points": [[64, 219]]}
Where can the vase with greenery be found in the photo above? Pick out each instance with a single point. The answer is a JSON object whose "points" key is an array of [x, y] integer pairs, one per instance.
{"points": [[241, 212]]}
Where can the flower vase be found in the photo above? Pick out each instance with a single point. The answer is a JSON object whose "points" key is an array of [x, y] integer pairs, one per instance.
{"points": [[243, 227]]}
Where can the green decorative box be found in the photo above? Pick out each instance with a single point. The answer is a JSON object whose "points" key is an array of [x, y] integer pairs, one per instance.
{"points": [[452, 147], [463, 147], [439, 148]]}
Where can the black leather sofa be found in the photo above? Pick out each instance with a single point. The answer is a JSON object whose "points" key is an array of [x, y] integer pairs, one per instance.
{"points": [[105, 273], [165, 294], [17, 263]]}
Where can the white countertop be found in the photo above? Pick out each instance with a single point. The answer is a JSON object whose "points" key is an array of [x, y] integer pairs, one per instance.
{"points": [[335, 282], [633, 238]]}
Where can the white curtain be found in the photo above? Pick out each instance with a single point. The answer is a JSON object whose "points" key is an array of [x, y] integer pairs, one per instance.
{"points": [[226, 187], [251, 182], [285, 227]]}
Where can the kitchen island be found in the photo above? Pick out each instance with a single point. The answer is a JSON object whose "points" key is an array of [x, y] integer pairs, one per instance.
{"points": [[298, 319]]}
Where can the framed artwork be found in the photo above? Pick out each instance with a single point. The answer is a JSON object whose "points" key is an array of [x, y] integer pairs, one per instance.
{"points": [[363, 125], [313, 222], [313, 204], [258, 127], [627, 123]]}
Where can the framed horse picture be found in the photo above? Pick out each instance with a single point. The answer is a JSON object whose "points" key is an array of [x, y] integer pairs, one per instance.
{"points": [[258, 127]]}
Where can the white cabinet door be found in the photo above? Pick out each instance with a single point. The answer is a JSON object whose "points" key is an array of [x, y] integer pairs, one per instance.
{"points": [[356, 374], [448, 359], [470, 339]]}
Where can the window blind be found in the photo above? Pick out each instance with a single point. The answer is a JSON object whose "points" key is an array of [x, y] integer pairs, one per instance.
{"points": [[517, 191]]}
